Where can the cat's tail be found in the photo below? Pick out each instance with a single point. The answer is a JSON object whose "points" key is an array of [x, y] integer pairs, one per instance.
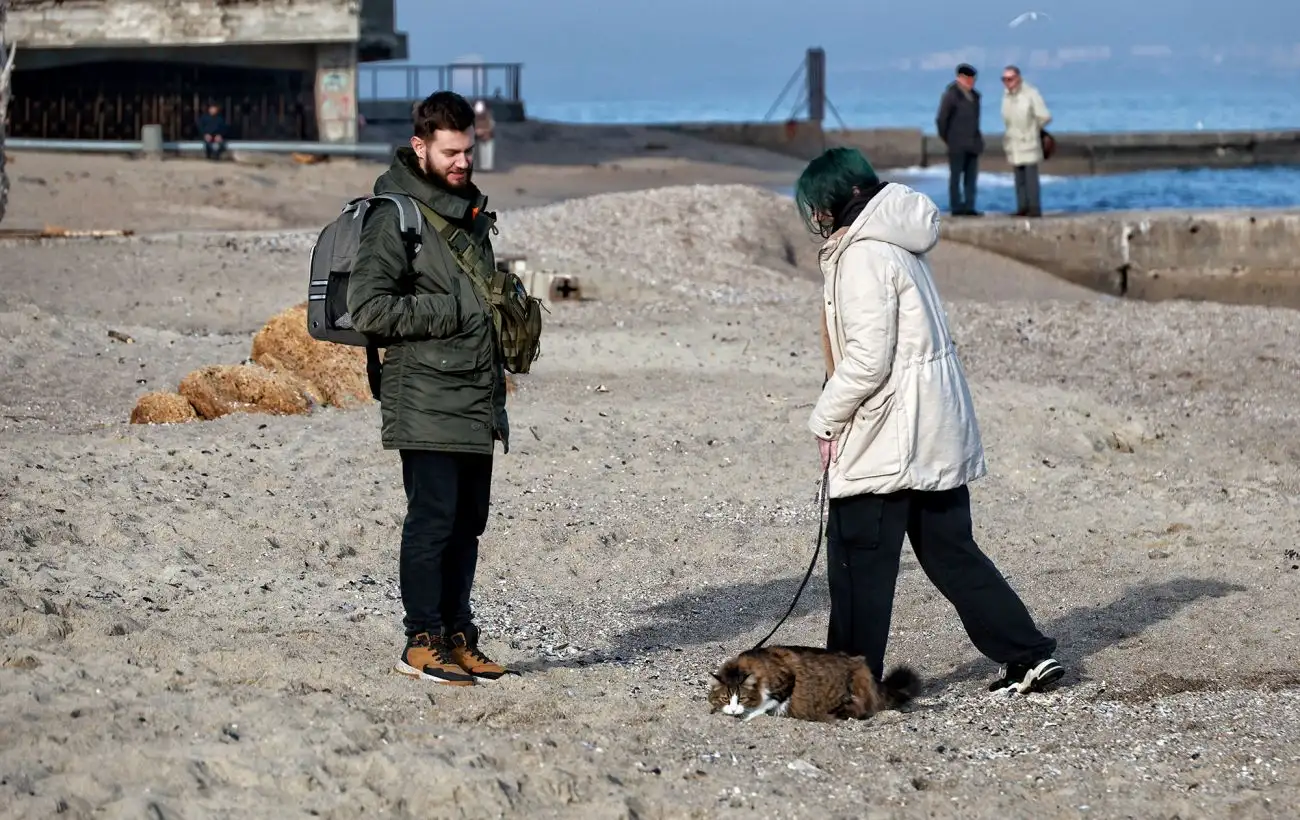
{"points": [[900, 685]]}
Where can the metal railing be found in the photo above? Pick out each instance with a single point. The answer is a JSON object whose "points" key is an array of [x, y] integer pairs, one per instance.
{"points": [[415, 82], [379, 150]]}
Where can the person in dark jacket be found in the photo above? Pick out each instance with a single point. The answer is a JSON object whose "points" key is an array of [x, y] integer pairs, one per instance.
{"points": [[212, 126], [958, 124], [442, 389]]}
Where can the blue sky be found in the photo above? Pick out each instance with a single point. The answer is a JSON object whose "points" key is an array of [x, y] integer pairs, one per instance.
{"points": [[655, 49]]}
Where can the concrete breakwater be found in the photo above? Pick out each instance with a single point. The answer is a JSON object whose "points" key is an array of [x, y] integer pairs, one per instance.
{"points": [[1240, 257], [1076, 154]]}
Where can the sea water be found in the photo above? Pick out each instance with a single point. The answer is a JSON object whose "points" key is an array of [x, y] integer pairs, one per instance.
{"points": [[1177, 109], [1257, 187]]}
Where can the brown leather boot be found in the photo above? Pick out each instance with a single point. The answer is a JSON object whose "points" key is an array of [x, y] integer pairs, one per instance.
{"points": [[428, 657], [465, 652]]}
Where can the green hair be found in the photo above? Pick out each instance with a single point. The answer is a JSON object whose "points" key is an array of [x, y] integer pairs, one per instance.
{"points": [[827, 184]]}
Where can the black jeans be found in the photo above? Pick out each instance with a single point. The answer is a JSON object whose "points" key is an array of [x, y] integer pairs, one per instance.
{"points": [[1028, 199], [446, 511], [864, 544], [963, 173], [213, 149]]}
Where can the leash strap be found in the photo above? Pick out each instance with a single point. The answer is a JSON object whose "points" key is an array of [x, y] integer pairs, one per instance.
{"points": [[821, 530]]}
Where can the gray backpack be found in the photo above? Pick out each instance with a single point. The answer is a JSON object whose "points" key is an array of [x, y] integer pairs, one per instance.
{"points": [[332, 259]]}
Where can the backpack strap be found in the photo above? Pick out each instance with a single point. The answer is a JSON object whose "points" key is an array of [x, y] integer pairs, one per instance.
{"points": [[410, 220], [411, 226], [467, 248]]}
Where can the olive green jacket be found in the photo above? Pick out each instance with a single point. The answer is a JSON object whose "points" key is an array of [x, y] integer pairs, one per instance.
{"points": [[443, 384]]}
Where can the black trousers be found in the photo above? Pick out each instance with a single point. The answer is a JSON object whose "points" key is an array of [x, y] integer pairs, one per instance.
{"points": [[963, 174], [1028, 198], [447, 498], [213, 149], [864, 545]]}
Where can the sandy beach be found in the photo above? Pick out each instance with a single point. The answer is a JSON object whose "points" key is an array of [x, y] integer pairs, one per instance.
{"points": [[199, 620]]}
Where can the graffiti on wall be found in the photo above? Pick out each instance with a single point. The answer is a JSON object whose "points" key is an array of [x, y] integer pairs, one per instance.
{"points": [[336, 104]]}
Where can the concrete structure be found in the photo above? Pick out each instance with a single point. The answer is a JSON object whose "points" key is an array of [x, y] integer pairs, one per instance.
{"points": [[798, 138], [1139, 151], [1077, 154], [101, 69], [1243, 257]]}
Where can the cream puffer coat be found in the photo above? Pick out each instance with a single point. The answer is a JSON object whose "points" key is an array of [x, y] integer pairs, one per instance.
{"points": [[896, 401], [1024, 114]]}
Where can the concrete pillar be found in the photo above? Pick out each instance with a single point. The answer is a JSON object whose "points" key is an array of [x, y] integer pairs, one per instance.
{"points": [[336, 92], [151, 141]]}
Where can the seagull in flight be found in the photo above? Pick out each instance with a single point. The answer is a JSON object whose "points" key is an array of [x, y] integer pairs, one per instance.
{"points": [[1027, 16]]}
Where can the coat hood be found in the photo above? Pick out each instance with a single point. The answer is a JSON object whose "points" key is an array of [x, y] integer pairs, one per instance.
{"points": [[404, 177], [898, 216]]}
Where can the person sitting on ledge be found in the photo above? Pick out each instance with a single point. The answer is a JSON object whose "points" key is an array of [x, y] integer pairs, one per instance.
{"points": [[212, 125]]}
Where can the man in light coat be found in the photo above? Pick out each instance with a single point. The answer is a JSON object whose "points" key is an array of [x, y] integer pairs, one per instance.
{"points": [[1025, 115], [896, 427]]}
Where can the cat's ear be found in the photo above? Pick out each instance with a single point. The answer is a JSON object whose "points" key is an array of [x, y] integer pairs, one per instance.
{"points": [[750, 679], [716, 677]]}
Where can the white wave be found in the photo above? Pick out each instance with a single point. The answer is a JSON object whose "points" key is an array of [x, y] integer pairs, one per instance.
{"points": [[990, 179]]}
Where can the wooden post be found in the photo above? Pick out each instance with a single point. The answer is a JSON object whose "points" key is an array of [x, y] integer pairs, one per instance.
{"points": [[7, 54]]}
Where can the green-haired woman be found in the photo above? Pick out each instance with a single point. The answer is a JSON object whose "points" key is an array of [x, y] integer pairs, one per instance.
{"points": [[896, 426]]}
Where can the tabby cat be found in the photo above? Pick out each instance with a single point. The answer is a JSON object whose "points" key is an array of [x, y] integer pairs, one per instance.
{"points": [[807, 683]]}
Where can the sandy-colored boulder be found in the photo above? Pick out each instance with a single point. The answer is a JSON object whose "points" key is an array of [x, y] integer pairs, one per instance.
{"points": [[222, 389], [337, 373], [162, 408]]}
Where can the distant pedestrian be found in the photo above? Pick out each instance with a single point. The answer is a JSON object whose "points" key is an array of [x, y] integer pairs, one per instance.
{"points": [[213, 128], [485, 142], [1025, 115], [958, 123]]}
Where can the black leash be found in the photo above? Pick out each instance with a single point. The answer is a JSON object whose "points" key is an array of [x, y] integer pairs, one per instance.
{"points": [[817, 547]]}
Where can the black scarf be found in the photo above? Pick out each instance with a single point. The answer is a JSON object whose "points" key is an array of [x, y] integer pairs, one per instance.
{"points": [[854, 206]]}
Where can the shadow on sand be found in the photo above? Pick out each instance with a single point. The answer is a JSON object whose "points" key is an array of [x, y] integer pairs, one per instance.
{"points": [[720, 614], [1086, 630]]}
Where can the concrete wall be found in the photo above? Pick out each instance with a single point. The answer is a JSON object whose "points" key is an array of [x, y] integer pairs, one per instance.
{"points": [[885, 147], [56, 24], [802, 139], [1137, 151], [1245, 257], [289, 56], [1076, 154], [380, 39]]}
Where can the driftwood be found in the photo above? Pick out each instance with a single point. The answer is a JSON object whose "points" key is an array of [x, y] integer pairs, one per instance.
{"points": [[8, 52]]}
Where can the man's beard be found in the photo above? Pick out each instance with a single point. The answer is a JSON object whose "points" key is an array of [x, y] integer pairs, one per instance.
{"points": [[441, 180]]}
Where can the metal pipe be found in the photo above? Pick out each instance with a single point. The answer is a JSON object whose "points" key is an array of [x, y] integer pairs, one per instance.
{"points": [[366, 149]]}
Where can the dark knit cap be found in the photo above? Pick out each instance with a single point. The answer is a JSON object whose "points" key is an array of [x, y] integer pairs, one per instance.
{"points": [[966, 70]]}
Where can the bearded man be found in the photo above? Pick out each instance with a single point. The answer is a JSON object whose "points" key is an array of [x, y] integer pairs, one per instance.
{"points": [[442, 385]]}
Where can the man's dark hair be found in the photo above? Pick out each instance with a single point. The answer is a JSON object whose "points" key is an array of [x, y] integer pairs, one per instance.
{"points": [[966, 70], [1013, 69], [442, 111]]}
